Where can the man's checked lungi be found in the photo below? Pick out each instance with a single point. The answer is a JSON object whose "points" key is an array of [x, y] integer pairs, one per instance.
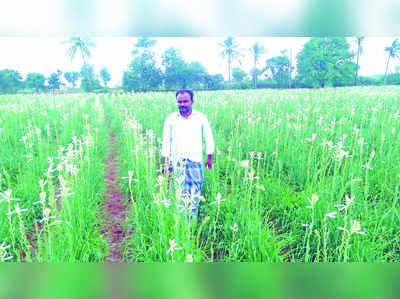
{"points": [[189, 177]]}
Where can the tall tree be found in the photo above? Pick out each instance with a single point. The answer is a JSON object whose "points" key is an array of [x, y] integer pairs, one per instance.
{"points": [[394, 52], [105, 76], [214, 81], [82, 44], [195, 74], [231, 51], [290, 69], [180, 74], [71, 77], [54, 80], [359, 40], [278, 69], [144, 43], [174, 66], [35, 81], [325, 61], [238, 74], [89, 80], [143, 74], [10, 80], [256, 50], [130, 81]]}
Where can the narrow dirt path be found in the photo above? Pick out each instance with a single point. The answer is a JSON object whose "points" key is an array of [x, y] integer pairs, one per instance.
{"points": [[114, 210]]}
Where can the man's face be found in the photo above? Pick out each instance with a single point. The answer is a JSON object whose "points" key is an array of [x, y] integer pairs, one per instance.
{"points": [[184, 103]]}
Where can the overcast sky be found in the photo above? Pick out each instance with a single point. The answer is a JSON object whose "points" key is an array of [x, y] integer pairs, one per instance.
{"points": [[47, 54], [31, 32]]}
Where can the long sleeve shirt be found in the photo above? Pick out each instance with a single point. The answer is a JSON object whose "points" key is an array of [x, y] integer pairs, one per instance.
{"points": [[183, 137]]}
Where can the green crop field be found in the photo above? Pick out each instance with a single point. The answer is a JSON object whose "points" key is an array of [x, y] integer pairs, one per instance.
{"points": [[309, 175]]}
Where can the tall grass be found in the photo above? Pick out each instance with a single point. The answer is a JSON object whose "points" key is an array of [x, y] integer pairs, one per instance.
{"points": [[302, 175], [298, 175], [51, 170]]}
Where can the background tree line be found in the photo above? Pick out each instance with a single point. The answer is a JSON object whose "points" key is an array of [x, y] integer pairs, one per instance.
{"points": [[11, 81], [323, 61]]}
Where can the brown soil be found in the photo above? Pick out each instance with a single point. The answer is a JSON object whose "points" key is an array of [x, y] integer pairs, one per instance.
{"points": [[31, 235], [114, 212], [273, 224], [115, 209]]}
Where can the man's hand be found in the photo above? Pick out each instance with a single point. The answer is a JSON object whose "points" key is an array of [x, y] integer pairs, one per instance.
{"points": [[164, 169], [166, 166], [209, 162]]}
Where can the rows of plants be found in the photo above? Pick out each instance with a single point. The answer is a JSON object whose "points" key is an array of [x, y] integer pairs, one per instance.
{"points": [[299, 175], [51, 167]]}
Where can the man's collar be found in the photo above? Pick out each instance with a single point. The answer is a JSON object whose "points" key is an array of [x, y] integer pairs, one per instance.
{"points": [[190, 116]]}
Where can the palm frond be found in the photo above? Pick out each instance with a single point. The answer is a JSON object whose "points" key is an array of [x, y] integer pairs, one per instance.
{"points": [[82, 44]]}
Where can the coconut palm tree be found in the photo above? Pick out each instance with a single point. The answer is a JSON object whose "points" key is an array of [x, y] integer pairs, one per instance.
{"points": [[231, 50], [358, 40], [82, 44], [256, 50], [394, 52]]}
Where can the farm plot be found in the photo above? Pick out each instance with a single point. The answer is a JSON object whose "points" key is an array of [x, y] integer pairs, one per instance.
{"points": [[299, 176], [51, 179]]}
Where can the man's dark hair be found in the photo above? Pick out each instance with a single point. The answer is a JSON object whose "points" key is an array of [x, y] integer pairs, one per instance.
{"points": [[182, 91]]}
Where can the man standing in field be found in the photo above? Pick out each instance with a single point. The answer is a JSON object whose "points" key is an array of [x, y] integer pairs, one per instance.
{"points": [[182, 149]]}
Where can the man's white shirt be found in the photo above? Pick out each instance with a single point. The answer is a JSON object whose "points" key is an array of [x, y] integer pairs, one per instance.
{"points": [[182, 137]]}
